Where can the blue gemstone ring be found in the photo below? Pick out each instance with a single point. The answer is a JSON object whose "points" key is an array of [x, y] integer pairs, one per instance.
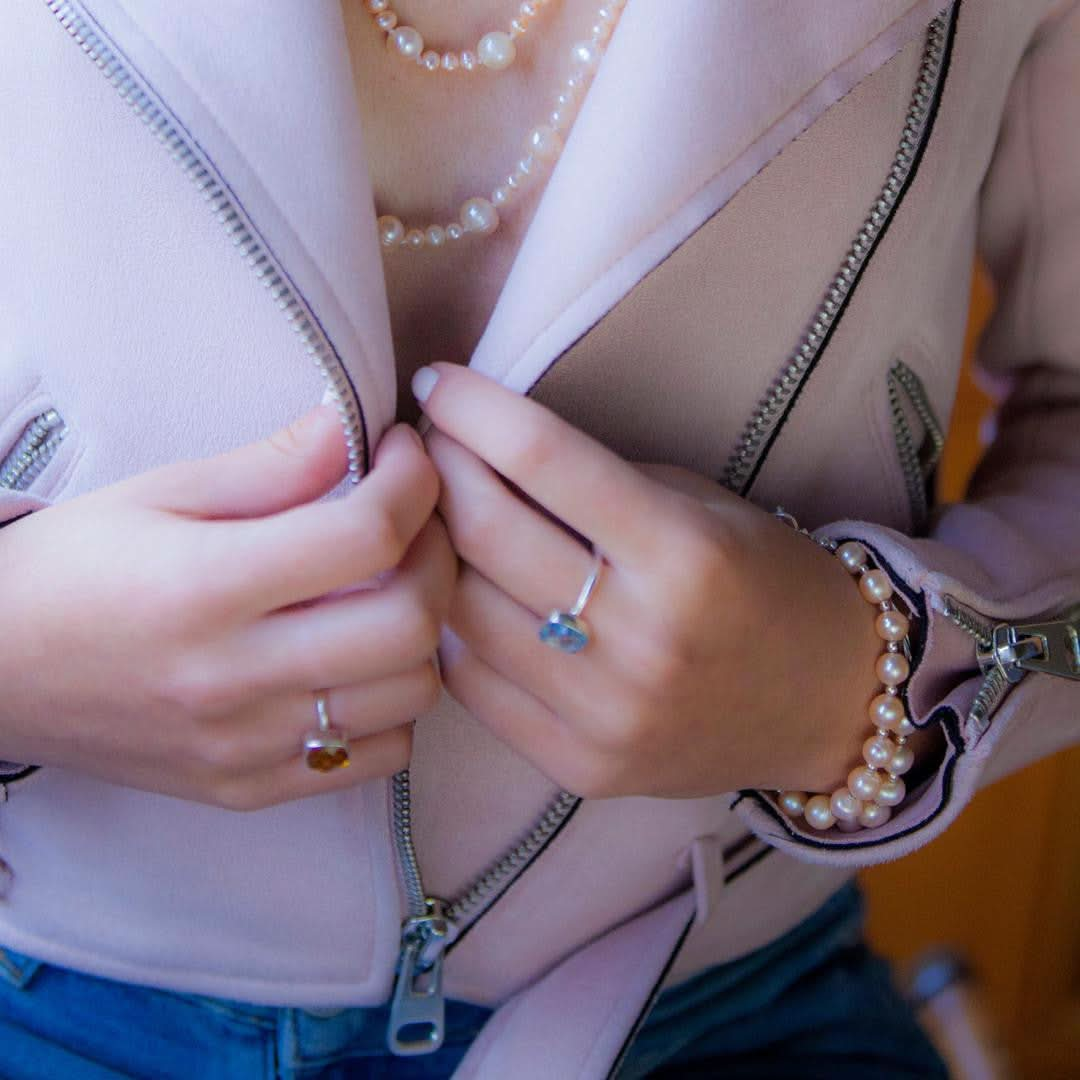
{"points": [[567, 631]]}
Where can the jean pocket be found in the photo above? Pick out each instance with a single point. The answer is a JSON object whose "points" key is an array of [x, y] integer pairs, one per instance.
{"points": [[17, 970]]}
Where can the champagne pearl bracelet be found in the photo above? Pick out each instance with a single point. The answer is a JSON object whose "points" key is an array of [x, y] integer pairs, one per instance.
{"points": [[874, 787]]}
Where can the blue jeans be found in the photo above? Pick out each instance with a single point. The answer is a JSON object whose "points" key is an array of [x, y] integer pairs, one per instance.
{"points": [[814, 1003]]}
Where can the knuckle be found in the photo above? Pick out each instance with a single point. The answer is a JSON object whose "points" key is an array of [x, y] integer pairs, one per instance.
{"points": [[219, 752], [287, 441], [590, 775], [192, 688], [384, 537], [531, 450], [477, 532], [421, 626]]}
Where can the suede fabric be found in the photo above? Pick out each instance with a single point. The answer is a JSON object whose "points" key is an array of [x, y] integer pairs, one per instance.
{"points": [[734, 182]]}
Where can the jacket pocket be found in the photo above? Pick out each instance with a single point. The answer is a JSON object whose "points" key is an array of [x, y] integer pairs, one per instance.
{"points": [[919, 439], [16, 970], [32, 451]]}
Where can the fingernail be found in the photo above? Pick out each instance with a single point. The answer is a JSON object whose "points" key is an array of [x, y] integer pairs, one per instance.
{"points": [[423, 382]]}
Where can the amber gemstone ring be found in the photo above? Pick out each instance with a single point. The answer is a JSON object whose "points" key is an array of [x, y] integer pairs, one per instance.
{"points": [[325, 749]]}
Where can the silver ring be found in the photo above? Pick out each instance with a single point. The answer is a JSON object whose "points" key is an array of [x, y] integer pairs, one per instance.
{"points": [[567, 631], [325, 749]]}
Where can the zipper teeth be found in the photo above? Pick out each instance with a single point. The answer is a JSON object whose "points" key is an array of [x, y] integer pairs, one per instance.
{"points": [[239, 230], [909, 456], [747, 449], [415, 896], [991, 690], [505, 868], [920, 400], [979, 627], [34, 450]]}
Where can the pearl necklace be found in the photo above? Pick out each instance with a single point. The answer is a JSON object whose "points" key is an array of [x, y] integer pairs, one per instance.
{"points": [[495, 50], [479, 216]]}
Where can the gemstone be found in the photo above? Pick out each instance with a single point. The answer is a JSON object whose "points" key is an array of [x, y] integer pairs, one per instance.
{"points": [[564, 632], [326, 759]]}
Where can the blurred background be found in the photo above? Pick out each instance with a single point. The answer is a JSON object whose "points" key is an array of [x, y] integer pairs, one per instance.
{"points": [[985, 921]]}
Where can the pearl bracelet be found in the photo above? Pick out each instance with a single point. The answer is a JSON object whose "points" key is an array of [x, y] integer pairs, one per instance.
{"points": [[874, 787]]}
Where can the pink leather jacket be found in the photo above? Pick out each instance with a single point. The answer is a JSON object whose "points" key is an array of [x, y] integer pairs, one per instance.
{"points": [[772, 291]]}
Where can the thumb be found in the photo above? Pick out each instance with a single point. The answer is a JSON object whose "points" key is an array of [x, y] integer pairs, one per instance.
{"points": [[294, 465]]}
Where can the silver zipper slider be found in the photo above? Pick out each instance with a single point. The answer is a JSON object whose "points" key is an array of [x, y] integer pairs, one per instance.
{"points": [[418, 1009], [1051, 647]]}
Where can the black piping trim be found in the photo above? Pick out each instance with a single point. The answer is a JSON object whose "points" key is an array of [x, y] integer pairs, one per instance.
{"points": [[749, 864], [513, 881], [20, 774], [278, 263], [650, 1001], [924, 142]]}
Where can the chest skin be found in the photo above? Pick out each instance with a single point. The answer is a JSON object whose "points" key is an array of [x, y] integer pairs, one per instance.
{"points": [[437, 139]]}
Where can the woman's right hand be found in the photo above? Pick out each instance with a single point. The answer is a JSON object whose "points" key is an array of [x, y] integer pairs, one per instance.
{"points": [[169, 632]]}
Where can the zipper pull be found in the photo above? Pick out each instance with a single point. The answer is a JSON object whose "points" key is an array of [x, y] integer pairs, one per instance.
{"points": [[418, 1009], [1051, 647]]}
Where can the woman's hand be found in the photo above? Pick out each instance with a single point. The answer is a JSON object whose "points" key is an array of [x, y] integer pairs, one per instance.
{"points": [[169, 632], [727, 650]]}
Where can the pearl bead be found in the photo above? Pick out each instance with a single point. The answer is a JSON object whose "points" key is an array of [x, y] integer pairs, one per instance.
{"points": [[818, 812], [875, 586], [454, 231], [608, 14], [878, 751], [864, 782], [495, 50], [545, 143], [468, 60], [375, 6], [391, 231], [886, 711], [414, 239], [891, 793], [847, 826], [408, 41], [386, 21], [844, 805], [793, 803], [892, 668], [852, 554], [874, 815], [586, 54], [904, 728], [502, 196], [576, 83], [450, 61], [436, 235], [529, 10], [892, 626], [565, 100], [901, 762], [517, 28], [599, 32], [479, 216], [430, 60]]}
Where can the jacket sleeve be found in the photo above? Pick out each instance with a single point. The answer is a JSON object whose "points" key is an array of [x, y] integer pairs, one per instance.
{"points": [[998, 573]]}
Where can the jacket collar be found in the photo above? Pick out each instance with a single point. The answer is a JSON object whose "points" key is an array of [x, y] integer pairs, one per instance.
{"points": [[691, 101]]}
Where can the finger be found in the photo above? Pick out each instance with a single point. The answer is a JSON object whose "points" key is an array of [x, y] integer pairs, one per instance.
{"points": [[271, 732], [367, 634], [309, 551], [504, 635], [515, 717], [293, 466], [580, 481], [526, 555]]}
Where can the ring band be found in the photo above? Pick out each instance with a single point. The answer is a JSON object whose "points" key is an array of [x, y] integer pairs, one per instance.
{"points": [[566, 630], [325, 749]]}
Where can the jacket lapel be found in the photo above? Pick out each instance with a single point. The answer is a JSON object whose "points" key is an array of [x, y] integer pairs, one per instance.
{"points": [[691, 101]]}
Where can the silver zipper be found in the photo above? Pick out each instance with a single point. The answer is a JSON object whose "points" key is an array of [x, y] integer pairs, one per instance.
{"points": [[755, 436], [417, 1010], [1006, 652], [418, 999], [916, 462], [35, 448], [240, 231]]}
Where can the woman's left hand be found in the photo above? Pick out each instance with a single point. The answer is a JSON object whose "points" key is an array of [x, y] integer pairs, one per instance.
{"points": [[726, 650]]}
